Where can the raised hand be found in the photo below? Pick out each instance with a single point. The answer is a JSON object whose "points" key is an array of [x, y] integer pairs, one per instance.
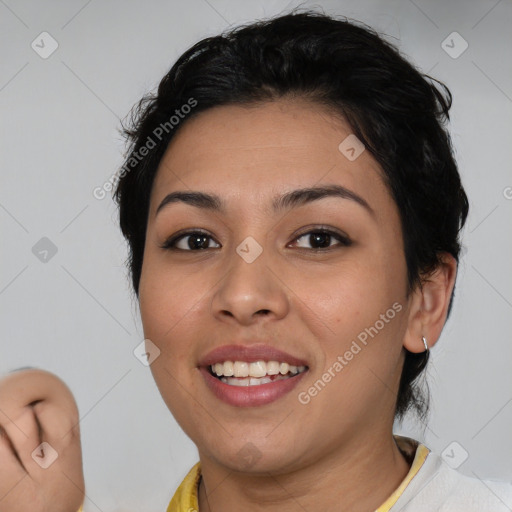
{"points": [[40, 451]]}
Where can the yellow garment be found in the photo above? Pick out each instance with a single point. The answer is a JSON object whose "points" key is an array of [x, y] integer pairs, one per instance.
{"points": [[185, 497], [410, 448]]}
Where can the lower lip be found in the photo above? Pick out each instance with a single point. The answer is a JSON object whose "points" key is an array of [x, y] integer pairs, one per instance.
{"points": [[250, 396]]}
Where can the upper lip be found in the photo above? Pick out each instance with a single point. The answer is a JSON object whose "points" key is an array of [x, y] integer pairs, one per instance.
{"points": [[249, 354]]}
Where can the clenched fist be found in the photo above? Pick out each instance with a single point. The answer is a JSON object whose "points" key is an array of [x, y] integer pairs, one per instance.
{"points": [[40, 452]]}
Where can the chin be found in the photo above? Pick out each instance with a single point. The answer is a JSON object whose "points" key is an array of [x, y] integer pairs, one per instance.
{"points": [[255, 456]]}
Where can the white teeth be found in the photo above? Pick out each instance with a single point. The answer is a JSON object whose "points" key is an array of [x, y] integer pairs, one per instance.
{"points": [[241, 369], [257, 382], [272, 368], [256, 370], [228, 370], [232, 381], [238, 382]]}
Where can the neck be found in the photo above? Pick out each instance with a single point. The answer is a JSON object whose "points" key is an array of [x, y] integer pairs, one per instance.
{"points": [[356, 478]]}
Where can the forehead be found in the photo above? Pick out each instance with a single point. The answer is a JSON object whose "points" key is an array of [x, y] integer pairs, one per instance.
{"points": [[251, 153]]}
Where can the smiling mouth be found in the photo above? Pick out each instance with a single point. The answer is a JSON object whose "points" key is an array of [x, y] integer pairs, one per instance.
{"points": [[241, 373]]}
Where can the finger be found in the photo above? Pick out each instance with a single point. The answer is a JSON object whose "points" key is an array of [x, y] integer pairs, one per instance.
{"points": [[58, 416], [22, 433], [25, 386], [60, 450], [11, 470], [59, 428]]}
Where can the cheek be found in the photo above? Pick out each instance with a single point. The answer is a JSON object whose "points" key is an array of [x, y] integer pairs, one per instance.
{"points": [[165, 297], [175, 308], [355, 307], [346, 295], [362, 322]]}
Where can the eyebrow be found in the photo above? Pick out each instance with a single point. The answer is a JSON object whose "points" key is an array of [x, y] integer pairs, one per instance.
{"points": [[287, 201]]}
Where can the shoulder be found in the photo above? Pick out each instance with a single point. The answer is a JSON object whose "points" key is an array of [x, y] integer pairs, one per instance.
{"points": [[439, 487], [465, 493]]}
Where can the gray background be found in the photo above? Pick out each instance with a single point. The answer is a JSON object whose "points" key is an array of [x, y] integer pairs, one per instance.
{"points": [[74, 313]]}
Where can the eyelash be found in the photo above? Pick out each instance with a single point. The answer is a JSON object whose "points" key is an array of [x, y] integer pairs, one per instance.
{"points": [[343, 239]]}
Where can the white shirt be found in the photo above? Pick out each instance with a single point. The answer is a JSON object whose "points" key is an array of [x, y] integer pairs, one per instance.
{"points": [[438, 487]]}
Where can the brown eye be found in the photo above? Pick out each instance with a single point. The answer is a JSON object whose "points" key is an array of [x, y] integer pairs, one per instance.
{"points": [[322, 239], [189, 241]]}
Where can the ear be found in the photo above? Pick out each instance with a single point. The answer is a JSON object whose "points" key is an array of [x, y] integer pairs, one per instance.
{"points": [[429, 305]]}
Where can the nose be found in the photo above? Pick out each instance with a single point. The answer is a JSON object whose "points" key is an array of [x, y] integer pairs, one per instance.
{"points": [[250, 291]]}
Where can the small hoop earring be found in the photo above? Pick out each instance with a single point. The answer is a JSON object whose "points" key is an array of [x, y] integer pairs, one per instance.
{"points": [[425, 343]]}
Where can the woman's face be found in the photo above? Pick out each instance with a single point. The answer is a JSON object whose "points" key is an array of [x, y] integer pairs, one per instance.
{"points": [[262, 278]]}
